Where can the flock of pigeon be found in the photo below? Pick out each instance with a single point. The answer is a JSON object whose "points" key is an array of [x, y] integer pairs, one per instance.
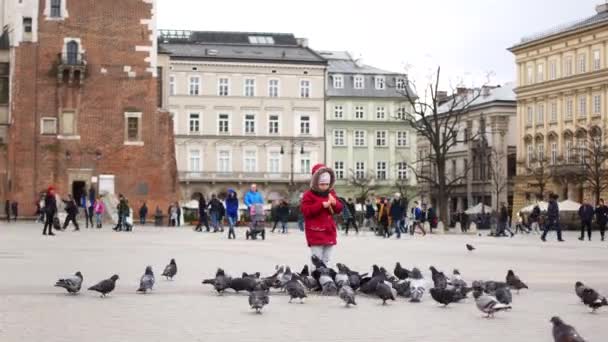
{"points": [[490, 296]]}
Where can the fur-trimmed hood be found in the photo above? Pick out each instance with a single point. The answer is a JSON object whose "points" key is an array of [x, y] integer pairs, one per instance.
{"points": [[317, 170]]}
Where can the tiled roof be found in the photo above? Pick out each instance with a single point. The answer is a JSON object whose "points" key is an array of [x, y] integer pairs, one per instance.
{"points": [[502, 93], [342, 62]]}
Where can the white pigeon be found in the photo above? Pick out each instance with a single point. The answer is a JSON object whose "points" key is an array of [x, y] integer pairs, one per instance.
{"points": [[488, 304], [417, 286]]}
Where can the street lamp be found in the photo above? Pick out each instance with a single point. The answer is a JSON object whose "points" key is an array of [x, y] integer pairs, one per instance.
{"points": [[292, 152]]}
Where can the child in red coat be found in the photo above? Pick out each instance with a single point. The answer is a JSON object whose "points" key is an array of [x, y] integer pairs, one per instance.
{"points": [[319, 204]]}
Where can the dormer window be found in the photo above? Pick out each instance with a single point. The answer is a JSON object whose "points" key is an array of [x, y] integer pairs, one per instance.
{"points": [[261, 40], [338, 81], [380, 82], [359, 82], [400, 83]]}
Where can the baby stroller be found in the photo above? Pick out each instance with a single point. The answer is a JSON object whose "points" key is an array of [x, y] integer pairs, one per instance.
{"points": [[258, 219]]}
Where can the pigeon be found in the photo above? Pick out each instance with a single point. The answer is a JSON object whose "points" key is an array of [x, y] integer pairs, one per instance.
{"points": [[563, 332], [368, 285], [71, 284], [170, 270], [514, 282], [401, 272], [417, 286], [503, 295], [593, 299], [147, 280], [444, 296], [295, 289], [579, 288], [221, 282], [272, 281], [309, 281], [342, 277], [242, 284], [460, 285], [384, 291], [470, 248], [258, 298], [317, 262], [488, 304], [439, 279], [403, 288], [285, 276], [328, 286], [347, 294], [491, 286], [105, 286]]}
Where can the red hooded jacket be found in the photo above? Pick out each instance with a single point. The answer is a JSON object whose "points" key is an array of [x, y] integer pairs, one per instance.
{"points": [[319, 222]]}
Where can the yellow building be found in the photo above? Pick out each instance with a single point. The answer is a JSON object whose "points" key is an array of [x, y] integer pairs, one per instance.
{"points": [[561, 105]]}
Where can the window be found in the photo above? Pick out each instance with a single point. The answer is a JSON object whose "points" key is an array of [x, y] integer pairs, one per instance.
{"points": [[530, 116], [530, 78], [223, 87], [540, 148], [274, 162], [266, 40], [568, 66], [540, 72], [465, 135], [249, 87], [360, 170], [530, 155], [305, 166], [68, 123], [597, 104], [540, 114], [132, 129], [597, 62], [304, 88], [273, 88], [553, 153], [552, 70], [249, 124], [402, 171], [569, 108], [273, 124], [359, 112], [582, 106], [380, 113], [400, 83], [401, 113], [402, 140], [223, 124], [55, 8], [582, 149], [339, 169], [338, 112], [339, 137], [379, 82], [568, 151], [381, 139], [195, 84], [582, 63], [251, 161], [224, 162], [381, 170], [360, 138], [195, 123], [4, 83], [338, 81], [172, 85], [305, 125], [73, 53], [553, 117], [48, 126], [359, 82], [27, 25], [195, 160]]}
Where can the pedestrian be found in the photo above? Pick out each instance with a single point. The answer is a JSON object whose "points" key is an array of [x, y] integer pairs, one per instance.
{"points": [[601, 217], [92, 200], [99, 209], [215, 209], [123, 210], [586, 213], [370, 214], [72, 209], [319, 204], [384, 218], [15, 210], [202, 214], [503, 222], [346, 215], [7, 210], [419, 219], [254, 201], [534, 219], [300, 215], [283, 215], [178, 210], [431, 216], [352, 207], [232, 211], [143, 213], [173, 214], [274, 216], [464, 225], [50, 209], [396, 213], [552, 219], [521, 225]]}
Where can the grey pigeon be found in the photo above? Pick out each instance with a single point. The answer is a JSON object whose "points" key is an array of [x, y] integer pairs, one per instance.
{"points": [[403, 288], [342, 277], [347, 294], [444, 296], [105, 286], [470, 248], [439, 279], [579, 288], [221, 282], [285, 276], [488, 304], [491, 286], [514, 282], [258, 298], [295, 289], [563, 332], [593, 299], [242, 284], [147, 280], [170, 270], [401, 272], [328, 286], [309, 281], [385, 292], [503, 295], [417, 286], [71, 284]]}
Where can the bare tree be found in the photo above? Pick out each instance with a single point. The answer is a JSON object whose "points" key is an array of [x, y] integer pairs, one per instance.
{"points": [[593, 167], [538, 168], [364, 185], [437, 121], [498, 176]]}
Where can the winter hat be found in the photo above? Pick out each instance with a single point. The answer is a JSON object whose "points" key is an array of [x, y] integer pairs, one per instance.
{"points": [[325, 178]]}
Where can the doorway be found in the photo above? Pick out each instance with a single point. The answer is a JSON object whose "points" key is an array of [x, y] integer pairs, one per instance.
{"points": [[78, 190]]}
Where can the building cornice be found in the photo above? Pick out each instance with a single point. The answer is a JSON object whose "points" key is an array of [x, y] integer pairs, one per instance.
{"points": [[246, 63], [565, 84], [551, 39]]}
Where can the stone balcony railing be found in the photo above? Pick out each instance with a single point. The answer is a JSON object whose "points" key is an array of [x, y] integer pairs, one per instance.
{"points": [[235, 176]]}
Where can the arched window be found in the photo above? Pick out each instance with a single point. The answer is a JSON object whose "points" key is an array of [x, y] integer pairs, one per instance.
{"points": [[72, 53]]}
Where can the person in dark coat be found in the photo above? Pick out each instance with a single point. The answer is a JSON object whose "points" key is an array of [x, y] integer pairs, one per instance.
{"points": [[215, 209], [503, 222], [274, 215], [601, 217], [552, 219], [123, 212], [384, 218], [15, 210], [397, 212], [370, 214], [7, 210], [50, 209], [72, 209], [202, 214], [534, 219], [348, 215], [232, 212], [586, 213], [143, 213], [283, 215]]}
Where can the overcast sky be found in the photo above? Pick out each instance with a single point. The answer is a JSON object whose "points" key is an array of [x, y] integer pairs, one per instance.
{"points": [[468, 38]]}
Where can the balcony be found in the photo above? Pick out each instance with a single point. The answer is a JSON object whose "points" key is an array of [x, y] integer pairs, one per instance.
{"points": [[261, 177], [567, 170], [71, 67]]}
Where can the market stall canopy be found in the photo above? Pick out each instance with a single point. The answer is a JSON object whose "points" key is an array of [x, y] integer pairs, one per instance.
{"points": [[542, 205], [478, 209], [569, 205]]}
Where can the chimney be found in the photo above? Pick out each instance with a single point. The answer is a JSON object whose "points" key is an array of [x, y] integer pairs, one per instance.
{"points": [[303, 42], [461, 91], [442, 97], [602, 8]]}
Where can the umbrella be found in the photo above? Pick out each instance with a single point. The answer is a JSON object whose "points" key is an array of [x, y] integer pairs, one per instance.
{"points": [[569, 205], [477, 209], [542, 205]]}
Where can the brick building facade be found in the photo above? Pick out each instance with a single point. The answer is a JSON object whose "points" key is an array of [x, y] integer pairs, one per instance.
{"points": [[84, 107]]}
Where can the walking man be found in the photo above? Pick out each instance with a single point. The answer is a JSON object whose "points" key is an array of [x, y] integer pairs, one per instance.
{"points": [[503, 222], [215, 209], [534, 219], [601, 217], [396, 212], [253, 197], [143, 213], [72, 209], [585, 213], [50, 209], [15, 210], [7, 210], [552, 219]]}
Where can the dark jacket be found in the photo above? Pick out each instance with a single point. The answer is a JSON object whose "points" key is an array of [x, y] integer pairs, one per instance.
{"points": [[585, 212], [553, 211], [535, 215], [504, 215], [397, 210], [346, 213], [601, 214], [123, 207], [143, 211], [215, 206], [71, 207], [232, 205], [369, 211], [202, 206], [50, 204], [283, 212]]}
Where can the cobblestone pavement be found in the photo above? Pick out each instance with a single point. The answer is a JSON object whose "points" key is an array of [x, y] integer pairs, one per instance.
{"points": [[31, 309]]}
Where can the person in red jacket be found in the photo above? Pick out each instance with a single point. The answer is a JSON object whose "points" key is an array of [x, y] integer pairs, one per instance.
{"points": [[319, 204]]}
